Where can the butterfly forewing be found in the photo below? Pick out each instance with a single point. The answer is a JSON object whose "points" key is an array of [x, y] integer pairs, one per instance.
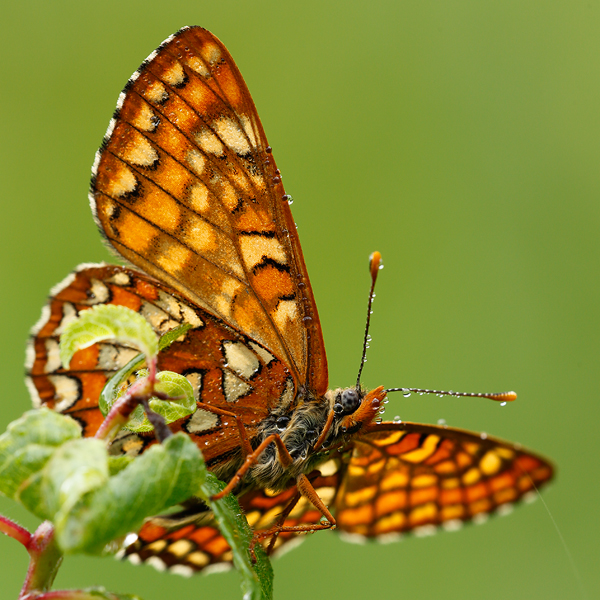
{"points": [[185, 187], [405, 476]]}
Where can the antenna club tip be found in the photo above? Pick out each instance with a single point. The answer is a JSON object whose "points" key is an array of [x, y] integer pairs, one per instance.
{"points": [[503, 397], [374, 263]]}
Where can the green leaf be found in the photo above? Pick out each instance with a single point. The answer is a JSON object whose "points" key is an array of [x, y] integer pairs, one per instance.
{"points": [[171, 336], [165, 475], [257, 578], [104, 322], [111, 390], [28, 444], [174, 385]]}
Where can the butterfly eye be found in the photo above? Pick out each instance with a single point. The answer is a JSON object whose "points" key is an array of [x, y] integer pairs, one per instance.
{"points": [[348, 402], [282, 423]]}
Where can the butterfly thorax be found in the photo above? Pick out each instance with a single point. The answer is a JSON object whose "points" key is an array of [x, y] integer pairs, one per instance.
{"points": [[300, 428]]}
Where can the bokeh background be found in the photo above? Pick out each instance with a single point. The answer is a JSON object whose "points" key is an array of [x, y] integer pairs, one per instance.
{"points": [[459, 138]]}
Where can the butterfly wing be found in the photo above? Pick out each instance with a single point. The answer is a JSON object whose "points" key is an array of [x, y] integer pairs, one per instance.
{"points": [[408, 477], [226, 369], [190, 541], [185, 187]]}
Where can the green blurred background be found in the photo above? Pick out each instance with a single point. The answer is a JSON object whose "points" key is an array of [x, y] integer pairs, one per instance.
{"points": [[459, 138]]}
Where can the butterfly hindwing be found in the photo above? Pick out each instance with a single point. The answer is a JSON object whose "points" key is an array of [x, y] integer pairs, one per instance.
{"points": [[190, 541], [185, 187], [408, 477], [227, 370]]}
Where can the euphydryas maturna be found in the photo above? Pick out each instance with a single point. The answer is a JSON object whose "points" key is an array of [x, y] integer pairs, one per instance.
{"points": [[185, 188]]}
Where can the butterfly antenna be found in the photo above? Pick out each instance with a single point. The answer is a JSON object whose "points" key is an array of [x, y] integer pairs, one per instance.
{"points": [[375, 265], [499, 397]]}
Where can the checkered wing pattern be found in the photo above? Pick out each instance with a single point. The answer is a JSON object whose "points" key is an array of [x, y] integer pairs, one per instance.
{"points": [[405, 477], [227, 369], [185, 187]]}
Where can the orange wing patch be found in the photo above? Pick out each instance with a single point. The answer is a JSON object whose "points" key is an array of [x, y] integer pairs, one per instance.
{"points": [[185, 187]]}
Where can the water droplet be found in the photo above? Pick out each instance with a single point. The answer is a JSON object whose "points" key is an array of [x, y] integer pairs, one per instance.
{"points": [[407, 394], [483, 435], [441, 421], [397, 419], [502, 403]]}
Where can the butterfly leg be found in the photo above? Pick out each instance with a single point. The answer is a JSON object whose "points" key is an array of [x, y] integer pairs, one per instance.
{"points": [[285, 514], [246, 446], [284, 457]]}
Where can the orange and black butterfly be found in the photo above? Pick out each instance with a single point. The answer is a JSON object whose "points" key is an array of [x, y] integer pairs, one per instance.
{"points": [[185, 188]]}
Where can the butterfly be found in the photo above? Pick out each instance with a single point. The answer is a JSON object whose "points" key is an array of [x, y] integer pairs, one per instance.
{"points": [[186, 190]]}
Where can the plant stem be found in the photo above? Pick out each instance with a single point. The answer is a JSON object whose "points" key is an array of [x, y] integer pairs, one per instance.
{"points": [[15, 531], [45, 558]]}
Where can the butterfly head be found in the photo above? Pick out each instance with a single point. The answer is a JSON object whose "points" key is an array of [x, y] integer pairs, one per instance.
{"points": [[353, 407]]}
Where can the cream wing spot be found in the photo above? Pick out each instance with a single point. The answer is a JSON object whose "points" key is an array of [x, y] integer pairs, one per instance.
{"points": [[233, 387], [121, 279], [266, 357], [180, 548], [158, 318], [257, 247], [224, 301], [241, 359], [200, 236], [329, 468], [209, 142], [145, 119], [98, 293], [225, 192], [178, 310], [196, 161], [156, 562], [69, 314], [122, 181], [198, 66], [112, 358], [232, 135], [195, 379], [179, 256], [198, 558], [140, 152], [183, 570], [53, 362], [67, 391], [211, 53], [286, 312], [202, 421], [156, 93], [157, 546], [174, 75]]}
